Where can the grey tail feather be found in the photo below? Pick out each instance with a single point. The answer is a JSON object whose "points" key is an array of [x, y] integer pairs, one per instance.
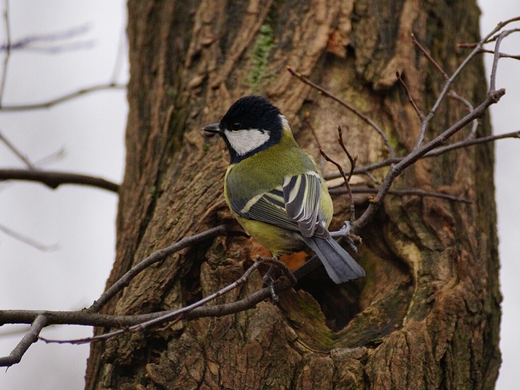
{"points": [[340, 266]]}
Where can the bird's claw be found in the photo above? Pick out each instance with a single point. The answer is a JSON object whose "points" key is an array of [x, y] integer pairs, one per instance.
{"points": [[269, 282], [344, 232]]}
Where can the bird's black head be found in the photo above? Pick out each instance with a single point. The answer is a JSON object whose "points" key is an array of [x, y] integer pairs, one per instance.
{"points": [[252, 112], [251, 125]]}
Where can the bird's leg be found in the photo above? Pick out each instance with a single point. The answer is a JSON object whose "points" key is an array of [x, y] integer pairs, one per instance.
{"points": [[344, 232], [269, 281]]}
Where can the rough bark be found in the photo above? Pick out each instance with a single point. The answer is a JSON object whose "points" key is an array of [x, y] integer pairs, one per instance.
{"points": [[427, 314]]}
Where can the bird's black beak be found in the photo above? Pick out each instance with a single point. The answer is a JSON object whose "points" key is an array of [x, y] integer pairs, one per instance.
{"points": [[213, 128]]}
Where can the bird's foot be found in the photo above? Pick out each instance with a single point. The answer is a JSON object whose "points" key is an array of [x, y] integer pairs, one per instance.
{"points": [[269, 282], [344, 232]]}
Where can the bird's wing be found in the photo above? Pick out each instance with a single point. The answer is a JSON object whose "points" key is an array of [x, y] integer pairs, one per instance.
{"points": [[302, 195], [293, 205], [268, 207]]}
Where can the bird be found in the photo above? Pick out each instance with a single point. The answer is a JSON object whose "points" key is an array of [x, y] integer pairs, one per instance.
{"points": [[274, 188]]}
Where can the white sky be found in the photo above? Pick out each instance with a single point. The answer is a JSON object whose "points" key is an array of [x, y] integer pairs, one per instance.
{"points": [[81, 220]]}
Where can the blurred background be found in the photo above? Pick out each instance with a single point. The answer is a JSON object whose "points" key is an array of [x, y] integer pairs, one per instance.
{"points": [[86, 46]]}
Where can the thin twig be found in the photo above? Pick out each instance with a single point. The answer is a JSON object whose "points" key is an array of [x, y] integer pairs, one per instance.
{"points": [[88, 318], [364, 170], [429, 57], [451, 79], [30, 337], [353, 160], [18, 153], [492, 77], [155, 257], [372, 177], [282, 266], [63, 98], [54, 179], [27, 240], [471, 142], [502, 55], [422, 193], [181, 313], [410, 97], [134, 323], [490, 37], [85, 318], [54, 156], [338, 166], [7, 51], [140, 322], [18, 331], [418, 152], [398, 168], [471, 45], [469, 108], [362, 116], [32, 42], [352, 206]]}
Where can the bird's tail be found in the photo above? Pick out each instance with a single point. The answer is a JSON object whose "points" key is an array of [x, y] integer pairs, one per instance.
{"points": [[340, 266]]}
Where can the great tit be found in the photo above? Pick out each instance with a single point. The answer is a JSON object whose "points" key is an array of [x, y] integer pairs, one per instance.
{"points": [[274, 188]]}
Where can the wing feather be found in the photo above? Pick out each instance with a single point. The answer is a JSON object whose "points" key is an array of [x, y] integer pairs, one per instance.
{"points": [[268, 207], [293, 205], [302, 198]]}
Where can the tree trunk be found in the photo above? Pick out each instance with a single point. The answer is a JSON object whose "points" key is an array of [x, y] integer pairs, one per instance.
{"points": [[427, 314]]}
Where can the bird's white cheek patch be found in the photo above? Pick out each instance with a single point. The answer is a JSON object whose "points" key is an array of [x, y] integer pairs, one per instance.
{"points": [[245, 141]]}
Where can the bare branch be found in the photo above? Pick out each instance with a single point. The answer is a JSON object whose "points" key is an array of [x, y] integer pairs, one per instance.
{"points": [[352, 160], [178, 314], [18, 153], [35, 42], [28, 240], [63, 98], [87, 318], [490, 37], [76, 317], [429, 57], [410, 97], [155, 257], [502, 55], [470, 142], [54, 179], [338, 166], [469, 108], [422, 193], [451, 79], [362, 116], [54, 156], [107, 320], [352, 206], [364, 170], [492, 77], [397, 169], [30, 337], [7, 51]]}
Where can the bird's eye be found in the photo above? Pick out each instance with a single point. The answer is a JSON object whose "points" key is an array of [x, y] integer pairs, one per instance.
{"points": [[236, 126]]}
